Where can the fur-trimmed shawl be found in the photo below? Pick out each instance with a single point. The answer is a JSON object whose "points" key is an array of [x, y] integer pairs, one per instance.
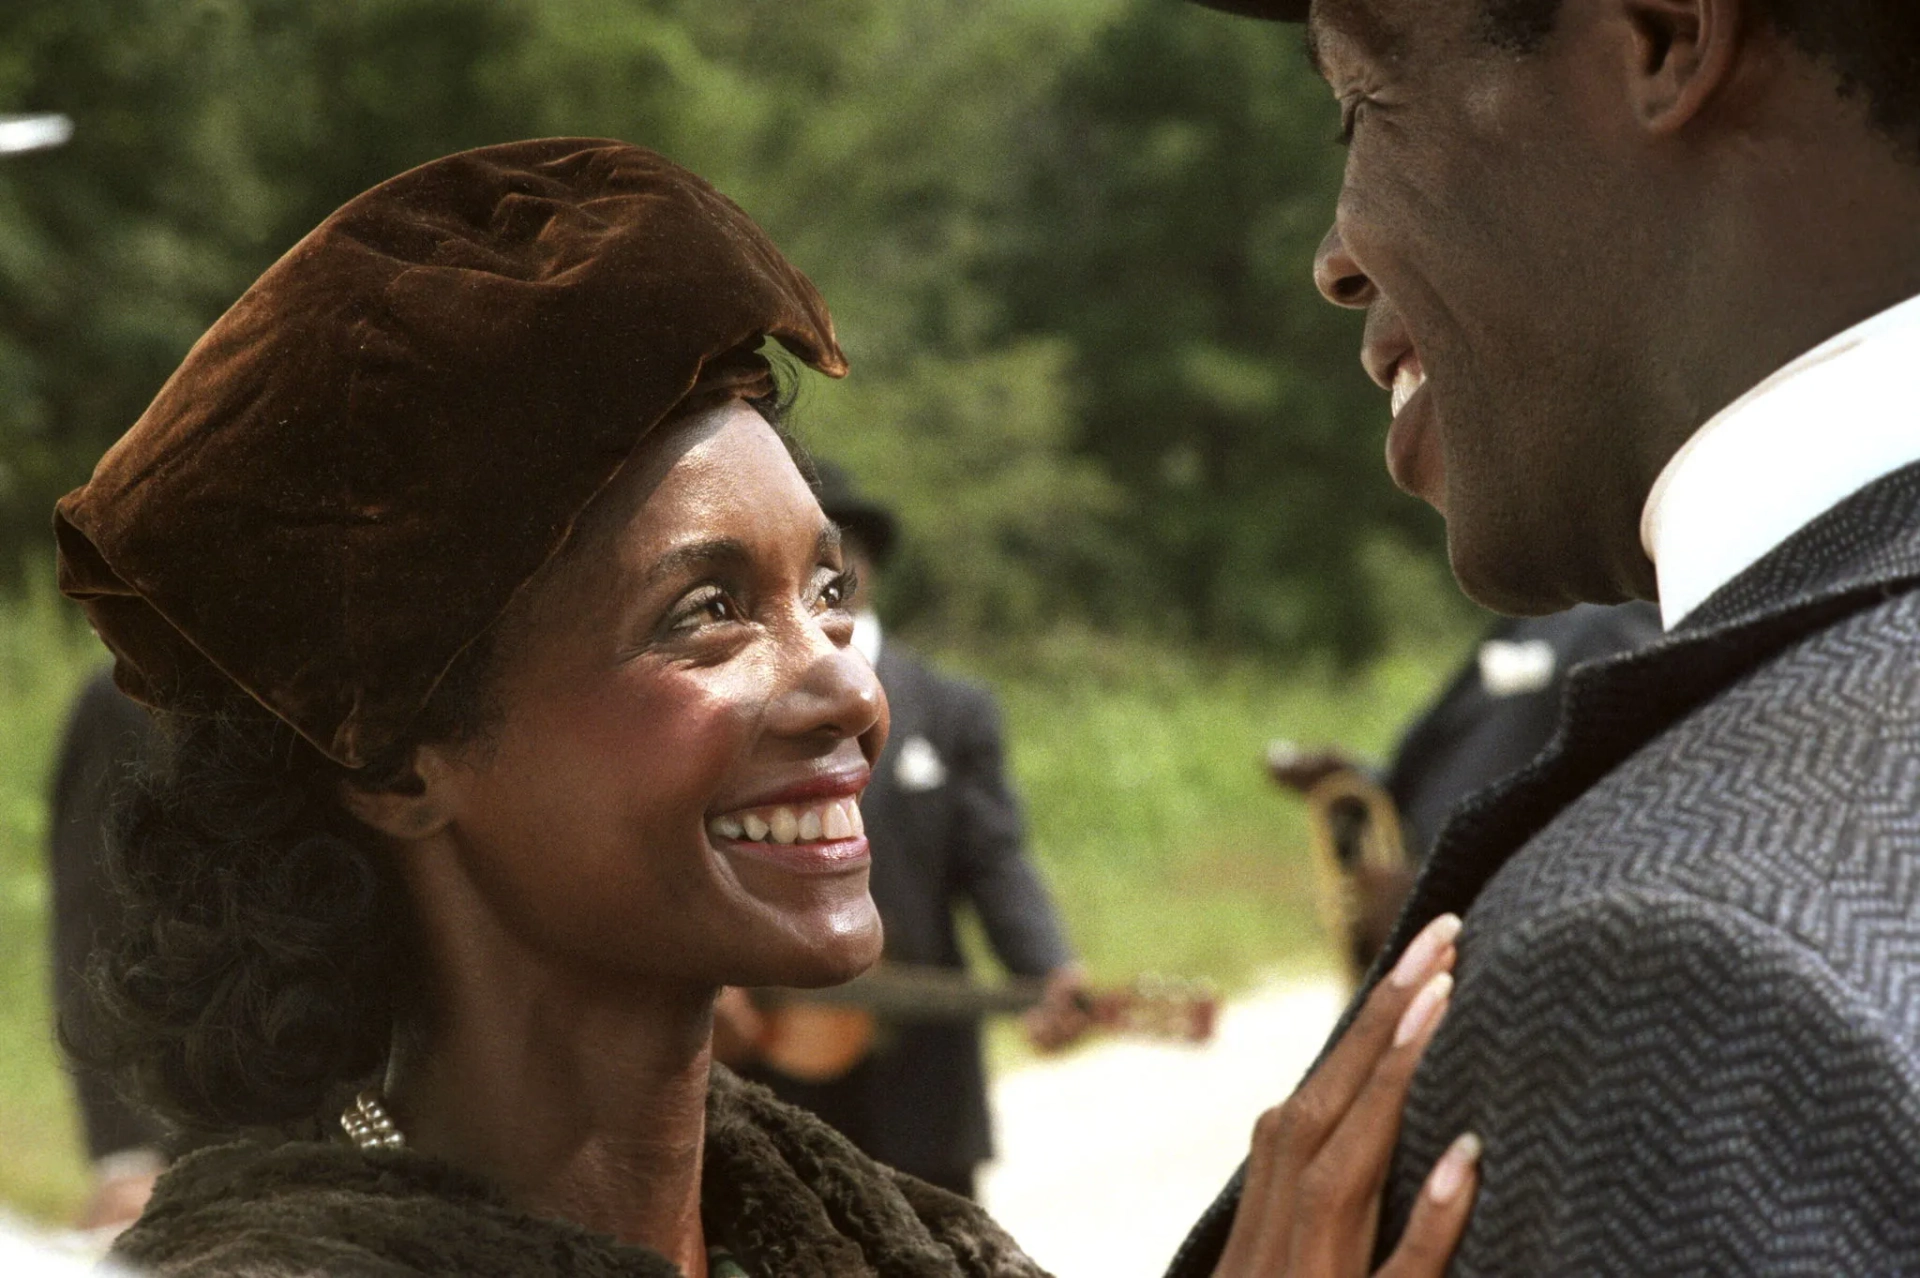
{"points": [[782, 1191]]}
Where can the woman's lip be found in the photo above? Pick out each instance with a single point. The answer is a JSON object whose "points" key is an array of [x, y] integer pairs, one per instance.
{"points": [[846, 783], [835, 856]]}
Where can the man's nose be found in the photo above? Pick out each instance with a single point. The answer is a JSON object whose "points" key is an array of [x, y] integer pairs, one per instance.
{"points": [[1337, 276]]}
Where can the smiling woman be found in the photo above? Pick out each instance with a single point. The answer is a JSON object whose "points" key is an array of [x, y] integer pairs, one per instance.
{"points": [[511, 711]]}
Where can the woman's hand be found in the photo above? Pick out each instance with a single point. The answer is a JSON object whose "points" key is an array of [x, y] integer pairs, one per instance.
{"points": [[1311, 1204]]}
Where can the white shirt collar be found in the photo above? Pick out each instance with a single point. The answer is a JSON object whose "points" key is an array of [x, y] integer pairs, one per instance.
{"points": [[1783, 454], [866, 635]]}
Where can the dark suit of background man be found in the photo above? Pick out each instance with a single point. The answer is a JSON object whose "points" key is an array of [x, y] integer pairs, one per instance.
{"points": [[946, 832], [1645, 275], [105, 737], [105, 733]]}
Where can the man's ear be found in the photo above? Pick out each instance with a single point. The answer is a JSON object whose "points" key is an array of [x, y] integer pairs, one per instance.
{"points": [[1682, 52], [418, 805]]}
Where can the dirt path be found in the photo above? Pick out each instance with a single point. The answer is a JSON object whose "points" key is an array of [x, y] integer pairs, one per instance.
{"points": [[1108, 1155]]}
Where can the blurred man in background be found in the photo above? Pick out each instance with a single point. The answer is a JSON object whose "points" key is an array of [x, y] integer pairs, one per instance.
{"points": [[946, 833], [105, 735]]}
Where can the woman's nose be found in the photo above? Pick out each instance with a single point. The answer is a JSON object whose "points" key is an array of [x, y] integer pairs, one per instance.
{"points": [[1337, 276], [836, 696]]}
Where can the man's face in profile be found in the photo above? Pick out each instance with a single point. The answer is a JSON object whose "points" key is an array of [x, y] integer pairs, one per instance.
{"points": [[1486, 225]]}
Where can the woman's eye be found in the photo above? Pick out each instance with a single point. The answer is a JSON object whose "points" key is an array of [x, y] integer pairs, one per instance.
{"points": [[838, 590], [707, 607]]}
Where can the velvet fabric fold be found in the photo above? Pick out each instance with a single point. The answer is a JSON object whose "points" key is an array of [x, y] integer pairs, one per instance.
{"points": [[395, 427]]}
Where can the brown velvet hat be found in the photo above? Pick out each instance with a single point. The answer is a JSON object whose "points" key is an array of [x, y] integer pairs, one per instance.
{"points": [[396, 426]]}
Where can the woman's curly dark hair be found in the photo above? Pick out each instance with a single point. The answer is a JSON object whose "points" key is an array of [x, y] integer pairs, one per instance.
{"points": [[263, 957], [262, 954]]}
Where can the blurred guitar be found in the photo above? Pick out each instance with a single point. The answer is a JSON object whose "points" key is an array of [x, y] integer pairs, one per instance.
{"points": [[819, 1035], [1362, 870]]}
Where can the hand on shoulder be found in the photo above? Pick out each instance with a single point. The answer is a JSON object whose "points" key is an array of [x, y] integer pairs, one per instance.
{"points": [[1310, 1207]]}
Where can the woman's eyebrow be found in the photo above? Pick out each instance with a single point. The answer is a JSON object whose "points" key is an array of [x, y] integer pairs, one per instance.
{"points": [[727, 552]]}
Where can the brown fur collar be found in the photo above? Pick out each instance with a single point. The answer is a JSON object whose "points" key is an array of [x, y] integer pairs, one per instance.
{"points": [[789, 1196]]}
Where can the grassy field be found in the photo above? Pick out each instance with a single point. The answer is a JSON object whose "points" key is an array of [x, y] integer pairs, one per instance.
{"points": [[44, 654], [1151, 815], [1149, 804]]}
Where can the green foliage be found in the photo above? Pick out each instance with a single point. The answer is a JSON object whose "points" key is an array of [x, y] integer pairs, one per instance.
{"points": [[1178, 187], [44, 656], [1149, 805], [1066, 242]]}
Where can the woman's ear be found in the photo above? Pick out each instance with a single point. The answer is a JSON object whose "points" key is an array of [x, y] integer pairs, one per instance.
{"points": [[417, 805]]}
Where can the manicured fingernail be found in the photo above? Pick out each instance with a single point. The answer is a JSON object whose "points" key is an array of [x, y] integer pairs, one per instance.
{"points": [[1450, 1173], [1424, 951], [1420, 1012]]}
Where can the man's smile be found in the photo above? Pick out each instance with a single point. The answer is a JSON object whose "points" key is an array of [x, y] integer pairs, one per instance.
{"points": [[1408, 378], [1413, 448]]}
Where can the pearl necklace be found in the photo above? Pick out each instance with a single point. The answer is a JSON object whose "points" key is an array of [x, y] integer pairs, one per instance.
{"points": [[367, 1124]]}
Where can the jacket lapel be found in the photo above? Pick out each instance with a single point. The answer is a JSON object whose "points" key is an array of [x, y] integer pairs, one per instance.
{"points": [[1859, 553]]}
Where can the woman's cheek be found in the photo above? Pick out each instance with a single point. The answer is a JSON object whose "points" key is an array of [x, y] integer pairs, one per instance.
{"points": [[670, 741]]}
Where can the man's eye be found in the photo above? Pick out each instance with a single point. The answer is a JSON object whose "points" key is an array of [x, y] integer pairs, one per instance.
{"points": [[1350, 109]]}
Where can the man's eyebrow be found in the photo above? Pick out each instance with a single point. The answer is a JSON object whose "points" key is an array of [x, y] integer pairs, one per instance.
{"points": [[1358, 21], [828, 544]]}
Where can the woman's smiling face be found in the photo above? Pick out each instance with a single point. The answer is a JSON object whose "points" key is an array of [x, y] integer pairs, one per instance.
{"points": [[682, 731]]}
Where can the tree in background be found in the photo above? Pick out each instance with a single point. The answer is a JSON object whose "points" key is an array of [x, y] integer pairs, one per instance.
{"points": [[1065, 240], [1176, 192], [210, 134]]}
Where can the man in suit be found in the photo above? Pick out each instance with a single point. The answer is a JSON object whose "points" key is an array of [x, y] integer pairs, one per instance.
{"points": [[946, 832], [105, 734], [1643, 277]]}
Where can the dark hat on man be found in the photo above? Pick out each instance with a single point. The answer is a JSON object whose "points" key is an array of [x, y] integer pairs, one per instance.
{"points": [[1271, 10], [862, 517], [363, 460]]}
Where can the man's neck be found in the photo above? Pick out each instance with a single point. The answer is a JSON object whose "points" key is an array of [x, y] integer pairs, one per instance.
{"points": [[1805, 233]]}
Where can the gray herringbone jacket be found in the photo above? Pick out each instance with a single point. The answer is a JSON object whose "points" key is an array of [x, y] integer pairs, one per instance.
{"points": [[1688, 1014]]}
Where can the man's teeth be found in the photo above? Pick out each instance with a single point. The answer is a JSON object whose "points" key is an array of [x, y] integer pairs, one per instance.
{"points": [[1407, 381], [837, 820]]}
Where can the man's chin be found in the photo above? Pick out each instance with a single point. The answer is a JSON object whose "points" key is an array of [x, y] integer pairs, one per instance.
{"points": [[1517, 575]]}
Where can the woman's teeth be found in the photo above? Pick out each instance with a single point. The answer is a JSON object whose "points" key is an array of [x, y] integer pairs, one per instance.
{"points": [[834, 821], [1408, 378]]}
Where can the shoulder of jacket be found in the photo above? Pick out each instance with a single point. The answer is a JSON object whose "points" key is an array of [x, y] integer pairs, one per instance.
{"points": [[1630, 943]]}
